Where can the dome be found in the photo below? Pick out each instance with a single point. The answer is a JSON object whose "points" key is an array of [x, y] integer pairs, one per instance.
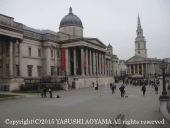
{"points": [[70, 20]]}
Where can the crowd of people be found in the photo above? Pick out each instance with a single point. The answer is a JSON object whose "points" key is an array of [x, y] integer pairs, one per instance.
{"points": [[142, 82]]}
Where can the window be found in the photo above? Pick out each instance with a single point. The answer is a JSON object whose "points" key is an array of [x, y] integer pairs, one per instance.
{"points": [[39, 52], [51, 53], [138, 33], [29, 49], [58, 70], [138, 45], [139, 52], [144, 45], [52, 71], [39, 70], [29, 70]]}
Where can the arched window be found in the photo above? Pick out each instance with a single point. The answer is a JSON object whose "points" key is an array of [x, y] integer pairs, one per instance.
{"points": [[139, 52], [138, 45]]}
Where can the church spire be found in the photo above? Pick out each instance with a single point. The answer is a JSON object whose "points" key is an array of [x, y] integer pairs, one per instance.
{"points": [[70, 10], [139, 25]]}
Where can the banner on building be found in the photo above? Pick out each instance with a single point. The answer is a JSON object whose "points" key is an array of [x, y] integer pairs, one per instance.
{"points": [[103, 63], [63, 63], [84, 59]]}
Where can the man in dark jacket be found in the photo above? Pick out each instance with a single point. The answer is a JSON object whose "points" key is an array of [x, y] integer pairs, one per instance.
{"points": [[122, 90], [113, 88], [143, 89], [156, 89], [44, 92]]}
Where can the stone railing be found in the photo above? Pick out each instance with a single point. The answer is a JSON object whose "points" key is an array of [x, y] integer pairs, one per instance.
{"points": [[164, 114]]}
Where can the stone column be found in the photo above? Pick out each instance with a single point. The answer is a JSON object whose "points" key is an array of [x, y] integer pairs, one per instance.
{"points": [[105, 63], [87, 71], [74, 54], [142, 69], [20, 58], [94, 63], [11, 58], [102, 64], [55, 60], [90, 62], [153, 69], [82, 60], [110, 67], [146, 69], [48, 60], [138, 69], [134, 69], [130, 68], [99, 63], [67, 61]]}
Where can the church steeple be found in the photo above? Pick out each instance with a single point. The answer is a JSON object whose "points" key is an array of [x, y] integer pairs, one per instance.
{"points": [[139, 25], [140, 42]]}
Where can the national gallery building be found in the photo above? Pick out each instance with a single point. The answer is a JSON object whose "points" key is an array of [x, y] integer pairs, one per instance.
{"points": [[30, 53]]}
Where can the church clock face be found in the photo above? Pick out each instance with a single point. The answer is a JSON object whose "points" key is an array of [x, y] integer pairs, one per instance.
{"points": [[138, 38]]}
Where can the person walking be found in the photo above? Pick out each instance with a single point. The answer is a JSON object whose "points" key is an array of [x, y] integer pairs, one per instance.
{"points": [[110, 86], [122, 90], [42, 90], [50, 92], [156, 89], [113, 88], [144, 90]]}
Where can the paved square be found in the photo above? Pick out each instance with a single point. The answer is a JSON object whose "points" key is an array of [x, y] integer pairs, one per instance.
{"points": [[84, 104]]}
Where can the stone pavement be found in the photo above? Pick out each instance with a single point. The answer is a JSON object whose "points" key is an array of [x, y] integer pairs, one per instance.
{"points": [[84, 104]]}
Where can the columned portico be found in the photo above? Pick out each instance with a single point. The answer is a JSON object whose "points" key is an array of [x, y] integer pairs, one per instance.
{"points": [[99, 63]]}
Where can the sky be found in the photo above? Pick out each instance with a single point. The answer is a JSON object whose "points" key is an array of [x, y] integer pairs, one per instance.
{"points": [[111, 21]]}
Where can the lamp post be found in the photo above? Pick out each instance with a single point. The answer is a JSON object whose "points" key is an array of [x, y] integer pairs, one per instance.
{"points": [[164, 95], [96, 72]]}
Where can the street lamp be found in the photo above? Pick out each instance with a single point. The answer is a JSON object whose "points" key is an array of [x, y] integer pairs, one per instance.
{"points": [[164, 95], [96, 72]]}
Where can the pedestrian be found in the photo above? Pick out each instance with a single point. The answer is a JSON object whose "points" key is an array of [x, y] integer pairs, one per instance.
{"points": [[144, 90], [93, 84], [168, 88], [45, 92], [50, 92], [110, 86], [122, 90], [106, 85], [156, 89], [42, 90], [113, 88]]}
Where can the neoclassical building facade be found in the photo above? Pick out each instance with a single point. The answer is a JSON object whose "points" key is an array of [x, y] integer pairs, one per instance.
{"points": [[140, 64], [30, 53]]}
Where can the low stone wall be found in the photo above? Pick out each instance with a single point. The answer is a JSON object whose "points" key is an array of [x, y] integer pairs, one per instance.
{"points": [[164, 114], [83, 82]]}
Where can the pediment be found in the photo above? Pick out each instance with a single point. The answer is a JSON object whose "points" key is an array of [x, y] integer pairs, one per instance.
{"points": [[135, 59], [95, 41]]}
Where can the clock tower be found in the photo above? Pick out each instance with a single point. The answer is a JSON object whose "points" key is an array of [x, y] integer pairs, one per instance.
{"points": [[140, 41]]}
